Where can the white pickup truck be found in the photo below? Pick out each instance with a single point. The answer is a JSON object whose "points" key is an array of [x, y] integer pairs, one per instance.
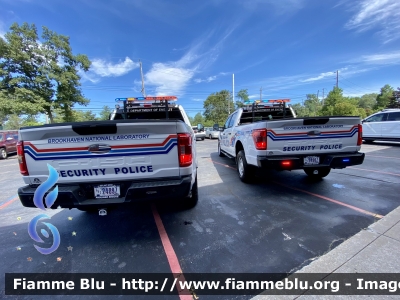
{"points": [[267, 134], [146, 151]]}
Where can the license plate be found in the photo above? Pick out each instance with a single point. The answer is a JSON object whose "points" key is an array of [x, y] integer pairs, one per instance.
{"points": [[105, 191], [311, 160]]}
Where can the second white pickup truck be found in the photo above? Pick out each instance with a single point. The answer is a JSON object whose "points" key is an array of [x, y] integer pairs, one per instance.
{"points": [[267, 134]]}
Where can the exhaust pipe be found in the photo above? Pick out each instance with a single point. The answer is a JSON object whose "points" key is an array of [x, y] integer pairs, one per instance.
{"points": [[103, 212]]}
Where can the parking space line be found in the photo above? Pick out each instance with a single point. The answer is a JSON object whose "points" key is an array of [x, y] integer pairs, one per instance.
{"points": [[9, 202], [394, 174], [334, 201], [320, 196], [170, 252]]}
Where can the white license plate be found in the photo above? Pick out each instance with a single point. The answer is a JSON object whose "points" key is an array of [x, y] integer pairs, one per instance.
{"points": [[106, 191], [311, 160]]}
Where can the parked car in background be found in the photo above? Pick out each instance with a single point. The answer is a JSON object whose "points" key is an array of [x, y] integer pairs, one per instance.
{"points": [[211, 133], [199, 132], [8, 142], [383, 125]]}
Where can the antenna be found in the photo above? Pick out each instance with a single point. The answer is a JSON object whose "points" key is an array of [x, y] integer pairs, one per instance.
{"points": [[141, 74]]}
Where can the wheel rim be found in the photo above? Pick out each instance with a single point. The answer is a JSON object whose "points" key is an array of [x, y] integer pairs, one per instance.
{"points": [[3, 153], [240, 166]]}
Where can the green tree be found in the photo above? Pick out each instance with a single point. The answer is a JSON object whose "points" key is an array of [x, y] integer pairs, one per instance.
{"points": [[105, 113], [313, 105], [335, 104], [39, 76], [301, 110], [367, 101], [217, 106], [243, 95], [198, 118], [394, 101], [383, 98]]}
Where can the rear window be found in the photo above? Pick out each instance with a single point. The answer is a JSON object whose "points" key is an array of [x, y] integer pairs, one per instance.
{"points": [[150, 115], [247, 116], [394, 116]]}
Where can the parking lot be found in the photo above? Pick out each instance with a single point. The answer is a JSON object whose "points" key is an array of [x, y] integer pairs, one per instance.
{"points": [[280, 223]]}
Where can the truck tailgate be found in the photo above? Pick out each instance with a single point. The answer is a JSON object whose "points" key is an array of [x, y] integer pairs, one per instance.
{"points": [[102, 151], [313, 135]]}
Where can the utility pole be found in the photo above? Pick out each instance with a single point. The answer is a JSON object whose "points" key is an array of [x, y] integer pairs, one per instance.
{"points": [[337, 78], [233, 94], [141, 74], [323, 96]]}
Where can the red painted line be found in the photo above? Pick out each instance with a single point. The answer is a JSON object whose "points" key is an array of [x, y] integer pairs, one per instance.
{"points": [[334, 201], [391, 157], [8, 202], [394, 174], [171, 255], [322, 197]]}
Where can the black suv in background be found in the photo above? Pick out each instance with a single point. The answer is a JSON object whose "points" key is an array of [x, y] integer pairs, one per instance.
{"points": [[8, 142]]}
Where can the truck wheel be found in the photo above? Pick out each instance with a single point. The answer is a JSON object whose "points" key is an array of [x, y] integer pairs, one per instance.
{"points": [[202, 139], [317, 172], [190, 202], [246, 172], [3, 153], [219, 151]]}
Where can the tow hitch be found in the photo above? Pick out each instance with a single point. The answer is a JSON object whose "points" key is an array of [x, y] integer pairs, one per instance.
{"points": [[103, 212]]}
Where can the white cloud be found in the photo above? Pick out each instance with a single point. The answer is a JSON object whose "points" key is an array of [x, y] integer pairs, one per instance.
{"points": [[382, 59], [319, 77], [351, 70], [208, 79], [104, 68], [381, 14], [168, 78], [171, 78]]}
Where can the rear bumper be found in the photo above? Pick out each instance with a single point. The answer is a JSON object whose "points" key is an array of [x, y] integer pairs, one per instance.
{"points": [[82, 195], [334, 161]]}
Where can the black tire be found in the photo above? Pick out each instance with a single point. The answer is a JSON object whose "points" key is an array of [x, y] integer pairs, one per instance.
{"points": [[191, 201], [317, 173], [202, 139], [3, 153], [219, 151], [210, 136], [246, 172], [369, 141]]}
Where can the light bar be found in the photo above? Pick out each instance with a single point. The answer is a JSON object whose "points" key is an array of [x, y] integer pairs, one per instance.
{"points": [[267, 101], [156, 98]]}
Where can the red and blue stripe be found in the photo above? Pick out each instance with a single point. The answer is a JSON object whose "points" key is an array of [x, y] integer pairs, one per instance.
{"points": [[116, 150], [304, 135]]}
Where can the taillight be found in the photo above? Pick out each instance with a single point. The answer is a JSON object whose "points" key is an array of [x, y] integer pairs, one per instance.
{"points": [[359, 139], [21, 159], [185, 149], [260, 139]]}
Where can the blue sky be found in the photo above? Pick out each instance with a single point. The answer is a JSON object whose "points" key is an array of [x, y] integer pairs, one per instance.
{"points": [[190, 49]]}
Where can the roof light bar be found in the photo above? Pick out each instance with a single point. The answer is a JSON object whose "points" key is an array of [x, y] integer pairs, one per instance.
{"points": [[156, 98], [267, 101]]}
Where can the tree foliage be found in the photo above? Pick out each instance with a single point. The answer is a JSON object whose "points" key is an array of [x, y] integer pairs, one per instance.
{"points": [[217, 107], [105, 113], [243, 95], [39, 76], [383, 99]]}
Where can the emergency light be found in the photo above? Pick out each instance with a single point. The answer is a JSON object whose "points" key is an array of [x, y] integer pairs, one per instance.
{"points": [[156, 98]]}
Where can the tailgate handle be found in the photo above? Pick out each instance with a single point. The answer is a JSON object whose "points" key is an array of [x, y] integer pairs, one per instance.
{"points": [[315, 121], [88, 129]]}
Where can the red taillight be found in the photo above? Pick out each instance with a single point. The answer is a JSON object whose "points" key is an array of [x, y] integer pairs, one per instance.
{"points": [[21, 159], [260, 139], [185, 149], [359, 139], [286, 163]]}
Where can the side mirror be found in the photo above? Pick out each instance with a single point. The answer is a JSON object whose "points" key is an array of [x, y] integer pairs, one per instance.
{"points": [[221, 128]]}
